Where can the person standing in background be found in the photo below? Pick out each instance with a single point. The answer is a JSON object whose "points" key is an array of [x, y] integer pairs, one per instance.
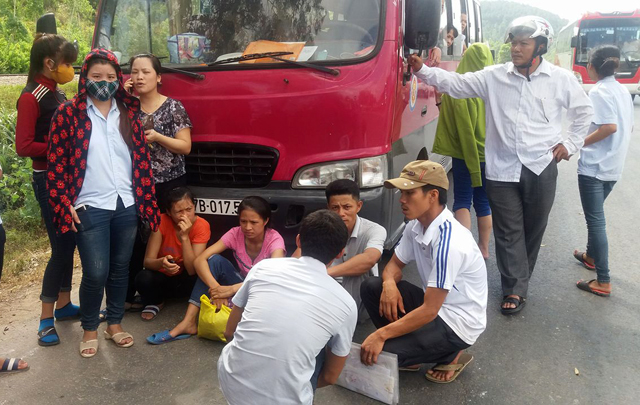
{"points": [[50, 65]]}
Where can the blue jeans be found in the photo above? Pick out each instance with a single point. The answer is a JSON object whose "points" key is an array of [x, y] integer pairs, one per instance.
{"points": [[463, 193], [224, 273], [105, 242], [593, 193], [59, 271]]}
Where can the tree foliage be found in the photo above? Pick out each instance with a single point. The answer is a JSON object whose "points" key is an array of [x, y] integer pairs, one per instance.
{"points": [[18, 18]]}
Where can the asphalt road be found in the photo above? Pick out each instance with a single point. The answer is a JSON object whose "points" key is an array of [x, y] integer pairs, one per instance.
{"points": [[531, 358]]}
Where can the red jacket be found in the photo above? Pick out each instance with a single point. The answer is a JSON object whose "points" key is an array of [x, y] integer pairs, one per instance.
{"points": [[36, 105]]}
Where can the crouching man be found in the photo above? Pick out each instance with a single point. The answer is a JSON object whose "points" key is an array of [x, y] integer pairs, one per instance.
{"points": [[435, 323], [291, 325]]}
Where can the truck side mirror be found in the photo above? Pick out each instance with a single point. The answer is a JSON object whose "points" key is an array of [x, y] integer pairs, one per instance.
{"points": [[422, 24], [574, 41], [47, 24]]}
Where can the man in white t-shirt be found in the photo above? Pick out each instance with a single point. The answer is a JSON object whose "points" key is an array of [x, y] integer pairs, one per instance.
{"points": [[435, 323], [287, 313]]}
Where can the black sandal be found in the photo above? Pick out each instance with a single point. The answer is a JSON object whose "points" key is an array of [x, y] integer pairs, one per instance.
{"points": [[580, 257], [518, 302]]}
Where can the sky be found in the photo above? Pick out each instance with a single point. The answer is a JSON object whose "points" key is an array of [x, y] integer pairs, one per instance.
{"points": [[573, 9]]}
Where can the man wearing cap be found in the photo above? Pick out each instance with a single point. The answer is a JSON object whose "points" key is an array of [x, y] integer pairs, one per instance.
{"points": [[524, 100], [434, 323]]}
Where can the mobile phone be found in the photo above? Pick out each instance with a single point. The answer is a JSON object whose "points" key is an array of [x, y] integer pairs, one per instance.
{"points": [[171, 261], [148, 122], [80, 208]]}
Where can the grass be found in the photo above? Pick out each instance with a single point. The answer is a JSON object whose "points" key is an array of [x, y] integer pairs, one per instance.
{"points": [[9, 94]]}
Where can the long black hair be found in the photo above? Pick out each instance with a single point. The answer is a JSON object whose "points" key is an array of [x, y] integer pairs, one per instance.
{"points": [[605, 60], [49, 46]]}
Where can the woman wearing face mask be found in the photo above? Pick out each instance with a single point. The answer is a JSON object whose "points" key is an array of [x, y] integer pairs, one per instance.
{"points": [[168, 133], [51, 59], [100, 182]]}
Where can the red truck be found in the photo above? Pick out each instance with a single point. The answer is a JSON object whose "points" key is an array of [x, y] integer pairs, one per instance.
{"points": [[286, 96]]}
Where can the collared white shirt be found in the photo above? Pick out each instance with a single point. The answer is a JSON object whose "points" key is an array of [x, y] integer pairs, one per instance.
{"points": [[109, 173], [292, 310], [524, 119], [448, 257], [365, 235], [612, 104]]}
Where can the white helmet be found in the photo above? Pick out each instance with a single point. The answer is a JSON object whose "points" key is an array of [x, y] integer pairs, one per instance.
{"points": [[534, 27]]}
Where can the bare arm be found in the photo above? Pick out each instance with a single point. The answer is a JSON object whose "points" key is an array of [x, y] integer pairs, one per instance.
{"points": [[278, 253], [427, 312], [331, 369], [202, 267], [151, 259], [391, 300], [601, 133], [189, 254], [357, 265], [180, 145], [234, 319]]}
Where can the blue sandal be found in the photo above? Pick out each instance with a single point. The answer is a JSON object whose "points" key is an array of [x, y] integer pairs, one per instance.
{"points": [[67, 312], [47, 334], [164, 337], [10, 365]]}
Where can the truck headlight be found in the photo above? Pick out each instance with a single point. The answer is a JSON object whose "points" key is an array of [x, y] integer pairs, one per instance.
{"points": [[367, 172]]}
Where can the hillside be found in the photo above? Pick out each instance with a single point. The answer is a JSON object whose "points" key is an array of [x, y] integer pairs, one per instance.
{"points": [[496, 16]]}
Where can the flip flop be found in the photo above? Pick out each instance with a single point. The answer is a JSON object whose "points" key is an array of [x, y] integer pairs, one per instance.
{"points": [[457, 368], [409, 369], [150, 309], [89, 344], [10, 365], [518, 302], [584, 286], [119, 337], [580, 257], [164, 337]]}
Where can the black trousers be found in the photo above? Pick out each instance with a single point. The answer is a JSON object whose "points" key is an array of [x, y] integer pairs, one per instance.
{"points": [[155, 287], [435, 342], [520, 214], [3, 239]]}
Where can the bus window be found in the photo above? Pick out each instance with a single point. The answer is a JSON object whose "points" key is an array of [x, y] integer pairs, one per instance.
{"points": [[478, 17], [458, 46], [471, 23], [448, 30], [464, 21]]}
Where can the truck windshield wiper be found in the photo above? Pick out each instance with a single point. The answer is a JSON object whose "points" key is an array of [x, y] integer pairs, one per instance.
{"points": [[276, 56]]}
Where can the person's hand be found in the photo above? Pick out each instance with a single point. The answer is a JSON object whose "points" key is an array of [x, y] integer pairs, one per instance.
{"points": [[371, 348], [76, 220], [184, 227], [221, 291], [171, 268], [435, 56], [415, 62], [219, 302], [391, 302], [152, 135], [128, 86], [560, 152]]}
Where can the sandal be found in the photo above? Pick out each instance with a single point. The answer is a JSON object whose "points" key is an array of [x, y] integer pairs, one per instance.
{"points": [[151, 309], [580, 256], [47, 334], [456, 368], [584, 286], [89, 344], [119, 337], [10, 365], [164, 337], [518, 302]]}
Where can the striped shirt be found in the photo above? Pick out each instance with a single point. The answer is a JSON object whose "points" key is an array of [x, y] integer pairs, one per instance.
{"points": [[524, 119], [448, 257]]}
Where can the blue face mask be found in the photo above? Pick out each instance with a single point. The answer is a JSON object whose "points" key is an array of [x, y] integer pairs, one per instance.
{"points": [[102, 90]]}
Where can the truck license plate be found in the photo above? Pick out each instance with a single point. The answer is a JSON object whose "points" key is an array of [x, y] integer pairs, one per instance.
{"points": [[217, 207]]}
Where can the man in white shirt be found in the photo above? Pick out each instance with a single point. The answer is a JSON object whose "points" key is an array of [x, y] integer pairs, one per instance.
{"points": [[524, 101], [288, 312], [435, 323], [365, 244]]}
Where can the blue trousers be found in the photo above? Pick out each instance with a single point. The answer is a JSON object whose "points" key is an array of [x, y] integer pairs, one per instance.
{"points": [[105, 242], [593, 193], [224, 273]]}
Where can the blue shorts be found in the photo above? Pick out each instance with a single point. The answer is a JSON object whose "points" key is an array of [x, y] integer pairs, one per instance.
{"points": [[463, 193]]}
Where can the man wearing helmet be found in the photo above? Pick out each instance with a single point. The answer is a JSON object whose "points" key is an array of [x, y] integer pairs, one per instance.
{"points": [[524, 99]]}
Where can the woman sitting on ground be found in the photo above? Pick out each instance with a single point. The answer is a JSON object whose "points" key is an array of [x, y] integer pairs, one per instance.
{"points": [[250, 242], [172, 249]]}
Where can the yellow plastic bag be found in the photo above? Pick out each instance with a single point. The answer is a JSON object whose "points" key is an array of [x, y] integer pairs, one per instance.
{"points": [[211, 325]]}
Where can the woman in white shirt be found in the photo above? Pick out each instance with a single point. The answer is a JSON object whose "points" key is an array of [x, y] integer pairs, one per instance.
{"points": [[601, 161]]}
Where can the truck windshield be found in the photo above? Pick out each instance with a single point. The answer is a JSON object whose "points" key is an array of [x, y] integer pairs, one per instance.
{"points": [[622, 32], [197, 32]]}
